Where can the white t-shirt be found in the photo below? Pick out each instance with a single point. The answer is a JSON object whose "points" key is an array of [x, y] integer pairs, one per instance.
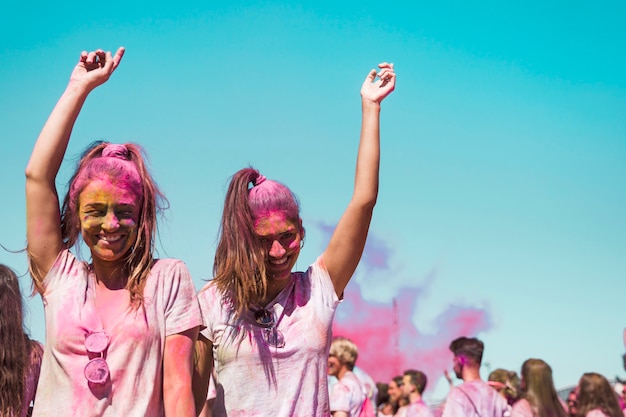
{"points": [[135, 350], [347, 395], [255, 379], [474, 399]]}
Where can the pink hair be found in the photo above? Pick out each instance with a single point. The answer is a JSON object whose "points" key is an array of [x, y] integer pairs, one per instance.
{"points": [[239, 267], [125, 166]]}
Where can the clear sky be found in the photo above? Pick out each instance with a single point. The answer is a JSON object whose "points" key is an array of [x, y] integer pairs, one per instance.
{"points": [[502, 201]]}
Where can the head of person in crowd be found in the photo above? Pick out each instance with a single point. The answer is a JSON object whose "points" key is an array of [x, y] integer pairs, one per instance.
{"points": [[468, 355], [383, 402], [342, 356], [506, 383], [538, 388], [571, 402], [260, 226], [413, 385], [113, 190], [18, 353], [395, 392], [594, 392]]}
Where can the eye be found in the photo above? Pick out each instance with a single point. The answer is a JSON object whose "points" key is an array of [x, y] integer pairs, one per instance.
{"points": [[264, 239]]}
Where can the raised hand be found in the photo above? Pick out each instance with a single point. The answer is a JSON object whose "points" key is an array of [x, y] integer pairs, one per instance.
{"points": [[376, 90], [94, 68]]}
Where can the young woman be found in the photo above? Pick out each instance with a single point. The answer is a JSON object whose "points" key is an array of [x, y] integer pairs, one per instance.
{"points": [[596, 398], [20, 357], [268, 327], [539, 397], [120, 329]]}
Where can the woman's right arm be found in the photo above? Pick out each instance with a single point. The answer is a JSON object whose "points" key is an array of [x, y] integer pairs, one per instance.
{"points": [[203, 367], [43, 218]]}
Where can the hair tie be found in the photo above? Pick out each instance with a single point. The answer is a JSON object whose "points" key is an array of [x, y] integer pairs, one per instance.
{"points": [[114, 150], [259, 180]]}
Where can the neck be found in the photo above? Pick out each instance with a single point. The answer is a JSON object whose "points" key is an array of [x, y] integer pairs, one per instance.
{"points": [[112, 276], [342, 372], [470, 373], [274, 287], [415, 397]]}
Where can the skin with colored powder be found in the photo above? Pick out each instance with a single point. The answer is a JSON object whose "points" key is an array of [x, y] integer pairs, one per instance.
{"points": [[120, 329], [268, 329]]}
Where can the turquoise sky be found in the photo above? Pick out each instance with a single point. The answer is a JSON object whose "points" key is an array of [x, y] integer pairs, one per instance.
{"points": [[503, 172]]}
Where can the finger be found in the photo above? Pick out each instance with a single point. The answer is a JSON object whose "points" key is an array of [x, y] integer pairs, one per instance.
{"points": [[371, 76], [385, 65], [108, 64], [101, 55], [118, 56], [91, 57], [83, 57]]}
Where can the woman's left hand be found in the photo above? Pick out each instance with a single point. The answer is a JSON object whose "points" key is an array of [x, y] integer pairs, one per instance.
{"points": [[376, 90]]}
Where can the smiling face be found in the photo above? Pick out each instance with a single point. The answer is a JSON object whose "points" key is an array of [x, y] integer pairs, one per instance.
{"points": [[109, 215], [394, 391], [333, 366], [281, 238]]}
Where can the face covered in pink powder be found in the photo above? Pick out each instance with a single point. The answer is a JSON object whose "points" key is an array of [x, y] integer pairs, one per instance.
{"points": [[282, 238], [109, 215]]}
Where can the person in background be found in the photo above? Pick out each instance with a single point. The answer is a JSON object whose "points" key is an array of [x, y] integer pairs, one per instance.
{"points": [[571, 402], [538, 395], [120, 329], [20, 356], [383, 404], [596, 398], [506, 383], [395, 393], [474, 397], [413, 386], [347, 396]]}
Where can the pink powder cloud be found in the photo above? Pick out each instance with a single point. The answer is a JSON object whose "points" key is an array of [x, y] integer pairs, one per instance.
{"points": [[389, 341]]}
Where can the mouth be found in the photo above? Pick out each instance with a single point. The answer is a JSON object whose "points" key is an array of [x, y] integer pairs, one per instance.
{"points": [[110, 238], [279, 262]]}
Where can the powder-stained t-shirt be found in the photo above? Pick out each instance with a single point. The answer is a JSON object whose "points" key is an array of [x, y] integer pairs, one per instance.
{"points": [[347, 395], [256, 379], [135, 348], [474, 399], [418, 409], [522, 408]]}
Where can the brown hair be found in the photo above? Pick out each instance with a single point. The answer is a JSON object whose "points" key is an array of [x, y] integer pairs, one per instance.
{"points": [[14, 345], [595, 392], [239, 266], [539, 390]]}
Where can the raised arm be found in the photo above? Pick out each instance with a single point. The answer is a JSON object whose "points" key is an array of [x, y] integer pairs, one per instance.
{"points": [[346, 245], [43, 218]]}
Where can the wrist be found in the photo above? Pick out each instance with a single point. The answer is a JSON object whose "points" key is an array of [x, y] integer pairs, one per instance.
{"points": [[78, 89], [371, 105]]}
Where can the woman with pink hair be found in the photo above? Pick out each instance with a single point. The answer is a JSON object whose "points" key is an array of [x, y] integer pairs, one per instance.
{"points": [[268, 327], [120, 329]]}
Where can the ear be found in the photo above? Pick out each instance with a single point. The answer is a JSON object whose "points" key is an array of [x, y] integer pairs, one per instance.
{"points": [[302, 230]]}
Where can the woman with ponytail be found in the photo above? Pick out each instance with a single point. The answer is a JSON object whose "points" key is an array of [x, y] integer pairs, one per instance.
{"points": [[268, 328], [120, 328]]}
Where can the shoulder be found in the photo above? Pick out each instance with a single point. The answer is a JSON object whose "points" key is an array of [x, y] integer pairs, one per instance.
{"points": [[596, 413]]}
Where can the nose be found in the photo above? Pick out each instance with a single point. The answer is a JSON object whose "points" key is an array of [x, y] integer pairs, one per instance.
{"points": [[111, 222], [277, 250]]}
